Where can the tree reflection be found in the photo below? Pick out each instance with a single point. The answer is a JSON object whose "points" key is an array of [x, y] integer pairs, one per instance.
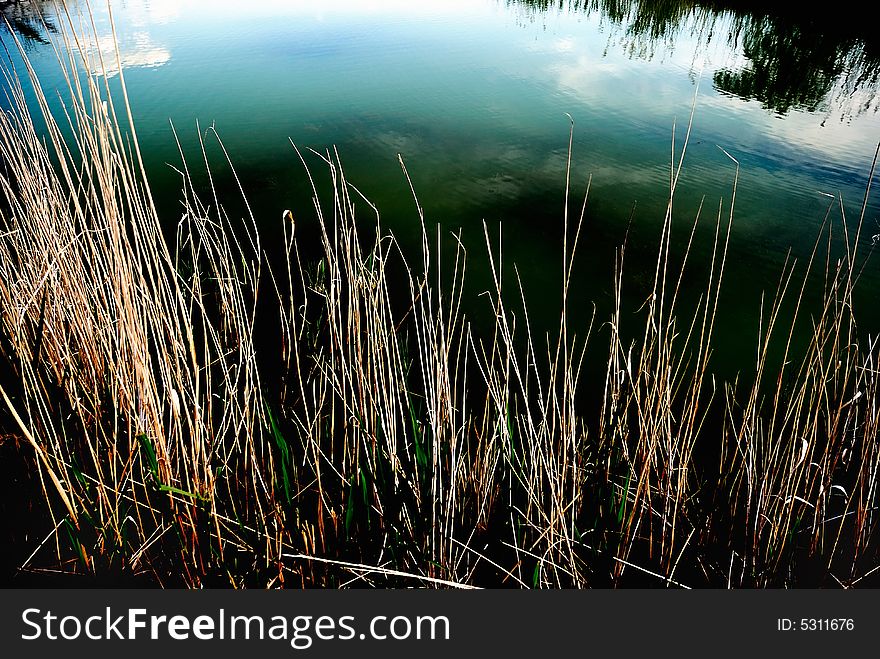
{"points": [[29, 19], [796, 59], [798, 65]]}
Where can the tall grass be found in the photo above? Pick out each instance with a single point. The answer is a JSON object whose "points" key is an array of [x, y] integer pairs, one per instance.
{"points": [[398, 443]]}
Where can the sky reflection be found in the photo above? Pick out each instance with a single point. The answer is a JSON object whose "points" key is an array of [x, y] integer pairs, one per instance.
{"points": [[475, 93]]}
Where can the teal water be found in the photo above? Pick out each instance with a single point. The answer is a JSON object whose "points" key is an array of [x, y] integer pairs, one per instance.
{"points": [[475, 96]]}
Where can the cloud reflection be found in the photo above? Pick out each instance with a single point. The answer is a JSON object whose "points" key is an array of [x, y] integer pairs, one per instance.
{"points": [[137, 50], [138, 39]]}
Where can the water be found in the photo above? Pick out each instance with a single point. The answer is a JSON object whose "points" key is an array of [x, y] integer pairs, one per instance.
{"points": [[475, 96]]}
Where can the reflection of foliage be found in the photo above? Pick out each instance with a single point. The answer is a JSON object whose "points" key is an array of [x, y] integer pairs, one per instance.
{"points": [[27, 18], [797, 65], [658, 20], [797, 59], [645, 25]]}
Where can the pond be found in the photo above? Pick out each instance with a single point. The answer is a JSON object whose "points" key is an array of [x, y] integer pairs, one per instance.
{"points": [[364, 434], [475, 96]]}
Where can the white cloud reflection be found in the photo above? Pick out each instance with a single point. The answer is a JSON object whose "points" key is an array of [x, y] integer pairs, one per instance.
{"points": [[137, 44], [137, 50]]}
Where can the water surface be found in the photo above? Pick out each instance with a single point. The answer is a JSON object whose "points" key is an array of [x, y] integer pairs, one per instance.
{"points": [[476, 95]]}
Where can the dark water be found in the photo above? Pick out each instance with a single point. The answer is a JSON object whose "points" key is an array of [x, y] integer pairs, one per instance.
{"points": [[474, 95]]}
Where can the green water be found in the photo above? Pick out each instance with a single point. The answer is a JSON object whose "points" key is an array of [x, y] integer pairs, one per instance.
{"points": [[474, 95]]}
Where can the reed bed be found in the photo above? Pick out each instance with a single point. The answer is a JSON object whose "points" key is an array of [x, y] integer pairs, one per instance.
{"points": [[398, 443]]}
